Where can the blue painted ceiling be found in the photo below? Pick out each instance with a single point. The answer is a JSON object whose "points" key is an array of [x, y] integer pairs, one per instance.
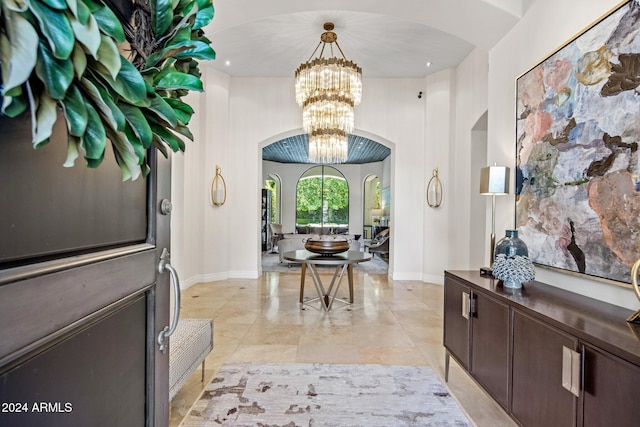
{"points": [[295, 149]]}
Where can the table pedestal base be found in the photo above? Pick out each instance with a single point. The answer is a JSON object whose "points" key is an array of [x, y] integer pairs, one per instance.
{"points": [[326, 298]]}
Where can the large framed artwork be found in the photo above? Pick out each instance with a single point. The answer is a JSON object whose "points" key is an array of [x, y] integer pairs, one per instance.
{"points": [[578, 128]]}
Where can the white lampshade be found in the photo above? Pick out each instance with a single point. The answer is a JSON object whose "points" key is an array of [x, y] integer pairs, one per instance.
{"points": [[494, 180]]}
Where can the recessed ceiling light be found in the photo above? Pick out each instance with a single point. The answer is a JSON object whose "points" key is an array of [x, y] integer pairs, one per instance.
{"points": [[227, 63], [428, 64]]}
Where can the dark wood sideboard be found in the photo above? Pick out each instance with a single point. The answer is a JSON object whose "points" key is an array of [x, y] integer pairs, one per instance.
{"points": [[549, 357]]}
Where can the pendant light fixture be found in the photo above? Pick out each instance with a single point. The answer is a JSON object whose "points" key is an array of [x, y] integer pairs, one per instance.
{"points": [[327, 89]]}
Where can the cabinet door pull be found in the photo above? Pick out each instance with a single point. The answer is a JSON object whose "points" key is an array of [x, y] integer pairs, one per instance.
{"points": [[465, 305], [571, 370]]}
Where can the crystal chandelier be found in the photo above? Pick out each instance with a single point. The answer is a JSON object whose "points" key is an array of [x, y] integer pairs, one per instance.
{"points": [[327, 89]]}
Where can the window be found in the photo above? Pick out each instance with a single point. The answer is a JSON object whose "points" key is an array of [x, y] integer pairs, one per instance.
{"points": [[322, 201], [273, 183]]}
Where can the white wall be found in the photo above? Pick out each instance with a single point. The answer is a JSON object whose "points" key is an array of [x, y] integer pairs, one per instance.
{"points": [[239, 117], [470, 240], [547, 25], [439, 99]]}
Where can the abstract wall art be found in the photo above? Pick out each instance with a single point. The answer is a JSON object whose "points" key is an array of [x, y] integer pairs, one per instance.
{"points": [[577, 170]]}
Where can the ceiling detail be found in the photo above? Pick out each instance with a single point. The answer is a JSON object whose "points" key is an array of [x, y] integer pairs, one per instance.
{"points": [[387, 39], [295, 149]]}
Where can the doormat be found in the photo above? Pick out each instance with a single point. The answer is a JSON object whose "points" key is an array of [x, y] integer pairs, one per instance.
{"points": [[299, 394]]}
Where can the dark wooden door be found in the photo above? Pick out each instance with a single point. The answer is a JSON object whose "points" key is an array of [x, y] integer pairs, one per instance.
{"points": [[605, 398], [538, 398], [490, 346], [456, 325], [81, 299]]}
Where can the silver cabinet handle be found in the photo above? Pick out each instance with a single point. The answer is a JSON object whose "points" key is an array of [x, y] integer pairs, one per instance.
{"points": [[465, 305], [571, 370], [163, 336]]}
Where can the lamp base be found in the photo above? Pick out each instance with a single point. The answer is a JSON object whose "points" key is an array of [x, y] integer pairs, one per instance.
{"points": [[486, 271]]}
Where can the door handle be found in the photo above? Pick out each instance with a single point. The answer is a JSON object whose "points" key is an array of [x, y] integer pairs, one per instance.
{"points": [[163, 336]]}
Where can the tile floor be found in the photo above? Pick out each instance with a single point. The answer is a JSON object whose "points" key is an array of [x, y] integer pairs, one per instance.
{"points": [[391, 322]]}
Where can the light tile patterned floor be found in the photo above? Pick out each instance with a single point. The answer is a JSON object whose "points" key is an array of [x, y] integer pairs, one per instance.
{"points": [[391, 322]]}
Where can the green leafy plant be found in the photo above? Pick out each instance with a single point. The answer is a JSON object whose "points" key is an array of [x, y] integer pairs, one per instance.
{"points": [[64, 55]]}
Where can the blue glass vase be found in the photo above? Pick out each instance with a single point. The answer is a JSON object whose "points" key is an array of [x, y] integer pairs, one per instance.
{"points": [[511, 245], [512, 264]]}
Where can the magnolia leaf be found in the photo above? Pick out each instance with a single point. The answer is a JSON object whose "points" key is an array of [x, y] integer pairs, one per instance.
{"points": [[73, 150], [14, 105], [170, 51], [138, 123], [125, 155], [182, 110], [82, 11], [161, 15], [56, 28], [15, 5], [79, 59], [108, 55], [18, 51], [157, 142], [94, 139], [166, 67], [75, 111], [200, 50], [107, 20], [56, 74], [179, 35], [94, 163], [73, 8], [186, 23], [56, 4], [114, 113], [94, 93], [204, 17], [175, 143], [163, 111], [46, 117], [133, 85], [138, 148], [175, 80], [88, 34], [183, 130]]}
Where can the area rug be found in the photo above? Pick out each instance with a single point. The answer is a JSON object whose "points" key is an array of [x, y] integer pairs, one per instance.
{"points": [[271, 263], [298, 394]]}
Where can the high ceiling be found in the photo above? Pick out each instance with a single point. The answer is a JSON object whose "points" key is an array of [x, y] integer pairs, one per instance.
{"points": [[387, 39]]}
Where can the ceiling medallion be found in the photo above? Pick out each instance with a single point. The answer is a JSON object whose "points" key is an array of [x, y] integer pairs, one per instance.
{"points": [[327, 89]]}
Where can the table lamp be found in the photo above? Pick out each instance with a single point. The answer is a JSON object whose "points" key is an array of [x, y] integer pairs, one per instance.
{"points": [[494, 181]]}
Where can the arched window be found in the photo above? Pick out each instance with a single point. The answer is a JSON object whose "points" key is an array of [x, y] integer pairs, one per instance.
{"points": [[273, 183], [322, 201]]}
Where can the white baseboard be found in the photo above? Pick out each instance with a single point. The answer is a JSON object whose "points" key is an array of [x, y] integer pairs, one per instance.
{"points": [[245, 274], [430, 278], [405, 276], [202, 278]]}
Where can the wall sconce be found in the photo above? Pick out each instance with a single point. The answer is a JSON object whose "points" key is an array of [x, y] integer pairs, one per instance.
{"points": [[494, 181], [218, 189], [435, 193]]}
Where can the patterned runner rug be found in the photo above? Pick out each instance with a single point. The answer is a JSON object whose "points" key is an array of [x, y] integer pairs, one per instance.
{"points": [[298, 394]]}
